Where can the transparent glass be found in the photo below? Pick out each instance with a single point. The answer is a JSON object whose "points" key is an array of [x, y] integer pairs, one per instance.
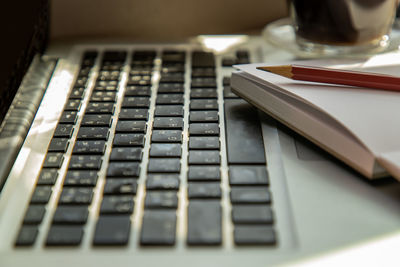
{"points": [[340, 27]]}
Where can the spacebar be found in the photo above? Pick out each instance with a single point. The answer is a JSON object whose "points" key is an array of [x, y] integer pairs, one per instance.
{"points": [[243, 133]]}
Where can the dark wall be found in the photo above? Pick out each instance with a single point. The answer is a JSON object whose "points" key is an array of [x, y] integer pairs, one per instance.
{"points": [[23, 31]]}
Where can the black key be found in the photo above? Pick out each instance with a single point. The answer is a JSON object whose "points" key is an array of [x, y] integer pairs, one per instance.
{"points": [[166, 136], [111, 88], [71, 215], [203, 82], [60, 235], [204, 222], [76, 196], [252, 214], [169, 99], [93, 133], [111, 66], [47, 177], [133, 114], [34, 214], [168, 123], [103, 96], [204, 142], [97, 120], [41, 195], [203, 104], [27, 235], [204, 190], [242, 53], [242, 61], [120, 187], [203, 129], [85, 162], [68, 117], [158, 228], [114, 56], [128, 139], [81, 81], [172, 68], [171, 88], [173, 57], [204, 157], [248, 175], [53, 160], [254, 235], [89, 57], [226, 81], [242, 123], [85, 71], [203, 93], [112, 230], [203, 72], [139, 80], [131, 127], [228, 61], [58, 145], [246, 195], [136, 102], [169, 111], [161, 200], [228, 93], [72, 105], [100, 108], [165, 150], [80, 178], [126, 154], [133, 90], [106, 75], [123, 169], [164, 165], [144, 56], [141, 68], [204, 116], [174, 77], [89, 147], [117, 205], [106, 86], [77, 93], [204, 173], [162, 182], [202, 59]]}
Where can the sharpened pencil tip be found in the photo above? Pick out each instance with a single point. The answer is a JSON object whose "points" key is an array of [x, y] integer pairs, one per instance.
{"points": [[284, 70], [263, 68]]}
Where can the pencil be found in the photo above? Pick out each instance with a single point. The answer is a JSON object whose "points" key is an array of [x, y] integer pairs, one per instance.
{"points": [[336, 76]]}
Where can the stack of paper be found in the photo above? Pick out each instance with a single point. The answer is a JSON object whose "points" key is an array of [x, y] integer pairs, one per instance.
{"points": [[357, 125]]}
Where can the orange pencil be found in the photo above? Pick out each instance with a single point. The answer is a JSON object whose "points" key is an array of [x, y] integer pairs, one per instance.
{"points": [[336, 76]]}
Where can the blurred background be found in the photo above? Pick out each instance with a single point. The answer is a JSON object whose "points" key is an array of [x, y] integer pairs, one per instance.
{"points": [[160, 19]]}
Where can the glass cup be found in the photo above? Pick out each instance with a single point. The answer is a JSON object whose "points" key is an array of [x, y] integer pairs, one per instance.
{"points": [[340, 27]]}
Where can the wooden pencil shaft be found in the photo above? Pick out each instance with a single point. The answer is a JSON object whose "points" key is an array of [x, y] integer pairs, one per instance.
{"points": [[285, 70], [334, 76]]}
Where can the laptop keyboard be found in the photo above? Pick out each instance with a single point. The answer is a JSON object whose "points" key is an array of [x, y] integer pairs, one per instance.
{"points": [[141, 133]]}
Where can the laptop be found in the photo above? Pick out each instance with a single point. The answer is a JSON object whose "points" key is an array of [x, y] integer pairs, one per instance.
{"points": [[139, 154]]}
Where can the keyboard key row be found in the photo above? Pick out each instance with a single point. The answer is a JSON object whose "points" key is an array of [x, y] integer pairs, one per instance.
{"points": [[251, 213]]}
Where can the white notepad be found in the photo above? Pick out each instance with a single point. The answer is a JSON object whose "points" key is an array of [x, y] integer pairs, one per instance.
{"points": [[359, 126]]}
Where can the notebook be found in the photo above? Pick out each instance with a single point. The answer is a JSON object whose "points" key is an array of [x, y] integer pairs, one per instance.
{"points": [[139, 153], [357, 125]]}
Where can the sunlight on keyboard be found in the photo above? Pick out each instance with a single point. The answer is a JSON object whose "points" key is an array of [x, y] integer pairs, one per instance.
{"points": [[221, 43]]}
